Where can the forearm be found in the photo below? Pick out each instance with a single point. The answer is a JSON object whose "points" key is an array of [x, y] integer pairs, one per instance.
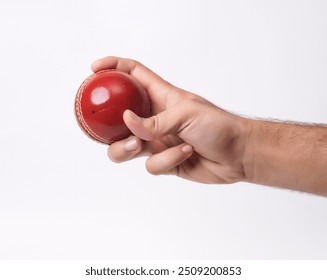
{"points": [[287, 155]]}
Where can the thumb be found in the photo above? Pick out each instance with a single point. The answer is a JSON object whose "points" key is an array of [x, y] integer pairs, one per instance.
{"points": [[164, 123]]}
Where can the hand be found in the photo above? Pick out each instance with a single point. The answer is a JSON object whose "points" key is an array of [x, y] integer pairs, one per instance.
{"points": [[186, 135]]}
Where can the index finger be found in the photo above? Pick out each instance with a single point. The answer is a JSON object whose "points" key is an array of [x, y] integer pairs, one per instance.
{"points": [[153, 83]]}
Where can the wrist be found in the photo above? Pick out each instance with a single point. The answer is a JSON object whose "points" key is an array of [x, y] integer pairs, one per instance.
{"points": [[249, 127]]}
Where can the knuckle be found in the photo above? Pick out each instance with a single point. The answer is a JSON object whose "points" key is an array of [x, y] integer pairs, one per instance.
{"points": [[133, 65]]}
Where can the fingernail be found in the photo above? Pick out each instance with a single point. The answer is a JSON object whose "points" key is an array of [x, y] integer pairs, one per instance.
{"points": [[187, 149], [131, 145]]}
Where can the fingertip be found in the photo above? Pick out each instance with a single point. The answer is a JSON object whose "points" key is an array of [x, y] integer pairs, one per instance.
{"points": [[113, 155], [126, 115], [125, 149], [132, 121], [95, 65], [137, 125], [108, 62], [128, 111], [152, 168], [187, 149]]}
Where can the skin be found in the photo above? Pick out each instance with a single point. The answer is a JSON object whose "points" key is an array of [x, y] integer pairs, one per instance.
{"points": [[190, 137]]}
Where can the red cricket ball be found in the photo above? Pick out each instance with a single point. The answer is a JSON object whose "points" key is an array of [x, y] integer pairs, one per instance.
{"points": [[101, 101]]}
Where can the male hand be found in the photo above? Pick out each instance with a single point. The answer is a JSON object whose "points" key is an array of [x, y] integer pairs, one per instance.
{"points": [[186, 135]]}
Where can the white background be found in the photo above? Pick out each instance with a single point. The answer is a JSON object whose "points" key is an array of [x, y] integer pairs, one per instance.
{"points": [[60, 197]]}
